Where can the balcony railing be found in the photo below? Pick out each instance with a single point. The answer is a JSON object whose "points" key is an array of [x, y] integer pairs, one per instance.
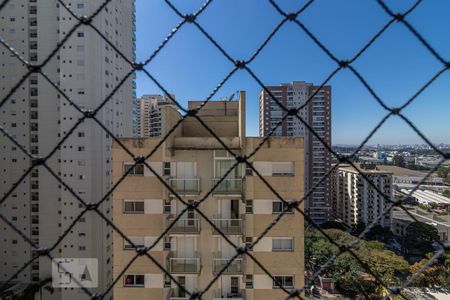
{"points": [[228, 186], [178, 264], [228, 226], [184, 226], [236, 266], [185, 185], [176, 294], [220, 294]]}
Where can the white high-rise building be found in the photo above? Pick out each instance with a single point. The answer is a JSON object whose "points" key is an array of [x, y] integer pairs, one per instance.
{"points": [[148, 114], [355, 200], [87, 69]]}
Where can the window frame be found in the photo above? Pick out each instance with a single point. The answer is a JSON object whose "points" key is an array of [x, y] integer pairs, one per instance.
{"points": [[134, 170], [134, 284], [283, 249], [288, 211], [134, 211], [283, 281]]}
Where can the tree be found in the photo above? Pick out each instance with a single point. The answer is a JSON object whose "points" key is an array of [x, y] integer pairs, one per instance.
{"points": [[380, 233], [436, 275], [350, 276], [398, 160], [418, 238], [446, 193], [422, 232], [358, 228], [443, 172]]}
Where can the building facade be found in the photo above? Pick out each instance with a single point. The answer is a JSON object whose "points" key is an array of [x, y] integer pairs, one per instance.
{"points": [[149, 116], [400, 221], [191, 162], [355, 200], [317, 114], [87, 69]]}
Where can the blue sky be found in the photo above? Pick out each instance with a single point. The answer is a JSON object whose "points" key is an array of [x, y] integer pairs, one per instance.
{"points": [[396, 65]]}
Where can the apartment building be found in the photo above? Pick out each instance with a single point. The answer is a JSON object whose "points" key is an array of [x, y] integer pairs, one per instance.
{"points": [[149, 116], [317, 114], [87, 69], [191, 161], [355, 200]]}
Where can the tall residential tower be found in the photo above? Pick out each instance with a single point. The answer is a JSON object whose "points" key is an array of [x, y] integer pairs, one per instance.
{"points": [[317, 114], [87, 69], [148, 114]]}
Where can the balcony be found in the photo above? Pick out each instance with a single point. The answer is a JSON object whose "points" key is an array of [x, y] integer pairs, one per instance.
{"points": [[183, 265], [185, 186], [228, 186], [228, 226], [236, 266], [184, 226], [176, 294], [220, 294]]}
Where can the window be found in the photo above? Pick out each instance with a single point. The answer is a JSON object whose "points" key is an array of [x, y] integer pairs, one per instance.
{"points": [[80, 5], [138, 241], [282, 244], [284, 281], [80, 34], [248, 241], [81, 148], [248, 170], [249, 281], [167, 244], [134, 280], [137, 170], [133, 207], [166, 169], [282, 168], [278, 207], [167, 207], [249, 206]]}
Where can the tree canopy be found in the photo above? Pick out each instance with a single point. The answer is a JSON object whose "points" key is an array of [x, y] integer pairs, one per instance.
{"points": [[352, 277]]}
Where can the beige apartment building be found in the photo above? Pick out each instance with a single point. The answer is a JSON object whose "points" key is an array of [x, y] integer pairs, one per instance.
{"points": [[191, 161]]}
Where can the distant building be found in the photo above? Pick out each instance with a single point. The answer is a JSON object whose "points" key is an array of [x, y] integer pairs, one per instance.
{"points": [[192, 161], [408, 179], [148, 116], [400, 221], [355, 200], [317, 114], [427, 197]]}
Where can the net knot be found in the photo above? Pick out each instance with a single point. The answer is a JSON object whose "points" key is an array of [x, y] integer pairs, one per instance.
{"points": [[190, 18]]}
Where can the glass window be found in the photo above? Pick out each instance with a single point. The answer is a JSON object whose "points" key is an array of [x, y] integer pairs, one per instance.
{"points": [[133, 207], [282, 244]]}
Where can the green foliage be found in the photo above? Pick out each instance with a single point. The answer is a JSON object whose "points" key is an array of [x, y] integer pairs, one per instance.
{"points": [[380, 233], [358, 228], [350, 276], [436, 275], [398, 160], [418, 238], [446, 193], [443, 172]]}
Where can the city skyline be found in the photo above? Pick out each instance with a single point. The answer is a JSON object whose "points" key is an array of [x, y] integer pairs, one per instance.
{"points": [[183, 66]]}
